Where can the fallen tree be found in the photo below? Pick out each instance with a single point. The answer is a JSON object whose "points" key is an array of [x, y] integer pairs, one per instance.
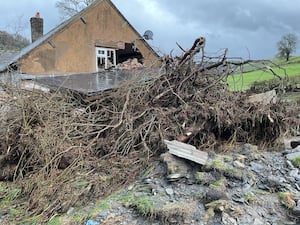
{"points": [[63, 150]]}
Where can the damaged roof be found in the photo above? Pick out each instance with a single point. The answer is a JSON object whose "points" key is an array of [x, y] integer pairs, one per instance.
{"points": [[93, 83], [4, 66]]}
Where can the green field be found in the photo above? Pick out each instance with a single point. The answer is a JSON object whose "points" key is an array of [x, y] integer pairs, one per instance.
{"points": [[243, 81]]}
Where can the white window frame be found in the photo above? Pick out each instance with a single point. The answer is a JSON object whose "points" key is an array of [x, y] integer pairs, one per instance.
{"points": [[105, 53]]}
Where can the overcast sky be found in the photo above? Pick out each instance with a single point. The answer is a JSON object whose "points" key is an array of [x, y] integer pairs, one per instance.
{"points": [[248, 28]]}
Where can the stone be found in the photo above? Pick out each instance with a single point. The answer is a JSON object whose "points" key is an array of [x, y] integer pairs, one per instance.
{"points": [[296, 209], [290, 164], [175, 165], [228, 220], [213, 194], [70, 211], [130, 187], [275, 181], [256, 167], [103, 214], [238, 164], [294, 144], [170, 191], [204, 178], [175, 177], [294, 173], [293, 156], [288, 142]]}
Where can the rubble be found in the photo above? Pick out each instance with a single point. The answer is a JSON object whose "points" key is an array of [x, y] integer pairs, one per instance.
{"points": [[129, 64]]}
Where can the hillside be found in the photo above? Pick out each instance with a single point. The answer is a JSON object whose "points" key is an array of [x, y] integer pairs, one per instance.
{"points": [[262, 71], [12, 42]]}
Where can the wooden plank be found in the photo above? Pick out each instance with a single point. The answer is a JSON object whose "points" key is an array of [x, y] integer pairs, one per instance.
{"points": [[186, 151]]}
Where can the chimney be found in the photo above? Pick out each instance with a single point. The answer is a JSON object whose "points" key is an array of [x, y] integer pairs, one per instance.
{"points": [[37, 27]]}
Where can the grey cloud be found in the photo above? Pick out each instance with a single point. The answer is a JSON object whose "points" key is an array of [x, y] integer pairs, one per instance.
{"points": [[239, 25]]}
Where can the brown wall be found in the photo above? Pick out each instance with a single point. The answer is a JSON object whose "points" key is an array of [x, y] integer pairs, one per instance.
{"points": [[72, 50]]}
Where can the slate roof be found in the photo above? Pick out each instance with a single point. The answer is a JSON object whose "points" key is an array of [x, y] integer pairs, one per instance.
{"points": [[60, 27]]}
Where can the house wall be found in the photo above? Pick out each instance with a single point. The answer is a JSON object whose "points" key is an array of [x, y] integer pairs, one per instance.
{"points": [[72, 50]]}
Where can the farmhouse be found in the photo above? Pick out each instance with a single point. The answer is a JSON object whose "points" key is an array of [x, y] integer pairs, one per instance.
{"points": [[97, 38]]}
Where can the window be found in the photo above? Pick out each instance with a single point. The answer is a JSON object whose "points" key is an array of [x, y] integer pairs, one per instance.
{"points": [[105, 58]]}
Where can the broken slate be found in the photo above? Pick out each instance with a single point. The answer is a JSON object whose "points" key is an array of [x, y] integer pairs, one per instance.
{"points": [[186, 151]]}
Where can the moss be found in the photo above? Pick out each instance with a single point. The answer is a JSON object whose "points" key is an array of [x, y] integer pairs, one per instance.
{"points": [[144, 204], [216, 164], [219, 165], [250, 198], [227, 158], [219, 184], [234, 173], [296, 161]]}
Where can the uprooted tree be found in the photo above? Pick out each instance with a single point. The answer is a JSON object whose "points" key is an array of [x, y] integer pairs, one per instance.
{"points": [[62, 149]]}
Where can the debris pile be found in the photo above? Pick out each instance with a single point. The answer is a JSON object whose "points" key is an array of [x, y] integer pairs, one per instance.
{"points": [[62, 150], [129, 64]]}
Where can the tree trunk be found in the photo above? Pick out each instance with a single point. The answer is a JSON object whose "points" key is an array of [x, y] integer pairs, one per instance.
{"points": [[287, 56]]}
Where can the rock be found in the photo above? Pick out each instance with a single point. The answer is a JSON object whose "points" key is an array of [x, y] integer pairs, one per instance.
{"points": [[103, 214], [213, 194], [293, 156], [288, 142], [170, 191], [204, 178], [294, 173], [130, 187], [294, 144], [256, 167], [228, 220], [296, 209], [290, 164], [70, 211], [175, 177], [275, 181], [238, 164], [175, 165]]}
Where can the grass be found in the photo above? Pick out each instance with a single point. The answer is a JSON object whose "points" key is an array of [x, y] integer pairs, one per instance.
{"points": [[244, 81]]}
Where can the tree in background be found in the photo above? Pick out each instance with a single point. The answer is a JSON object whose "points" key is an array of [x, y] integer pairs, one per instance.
{"points": [[68, 8], [286, 46], [12, 42], [13, 39]]}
